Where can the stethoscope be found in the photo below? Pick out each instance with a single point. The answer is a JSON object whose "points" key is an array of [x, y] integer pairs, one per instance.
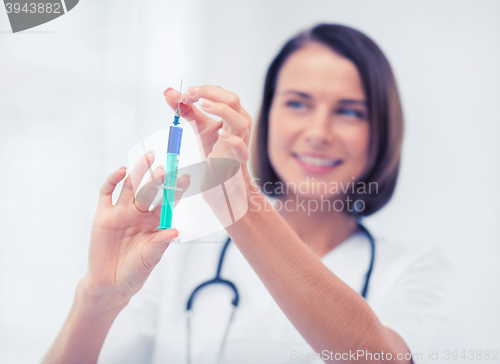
{"points": [[218, 280]]}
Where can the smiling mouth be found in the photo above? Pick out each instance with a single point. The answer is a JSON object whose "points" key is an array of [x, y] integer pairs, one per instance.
{"points": [[317, 161]]}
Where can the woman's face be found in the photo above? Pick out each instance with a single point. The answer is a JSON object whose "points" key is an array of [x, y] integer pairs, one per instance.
{"points": [[318, 126]]}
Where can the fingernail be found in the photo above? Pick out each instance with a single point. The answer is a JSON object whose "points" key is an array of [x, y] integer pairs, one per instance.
{"points": [[223, 133], [207, 104], [187, 175], [152, 151], [176, 238], [192, 91], [123, 167]]}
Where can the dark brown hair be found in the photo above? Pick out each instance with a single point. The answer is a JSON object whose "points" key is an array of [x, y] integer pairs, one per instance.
{"points": [[384, 110]]}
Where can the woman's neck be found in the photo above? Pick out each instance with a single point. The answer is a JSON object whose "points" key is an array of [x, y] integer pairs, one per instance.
{"points": [[321, 230]]}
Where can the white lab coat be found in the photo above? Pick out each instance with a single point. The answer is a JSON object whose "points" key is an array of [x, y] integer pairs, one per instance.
{"points": [[410, 291]]}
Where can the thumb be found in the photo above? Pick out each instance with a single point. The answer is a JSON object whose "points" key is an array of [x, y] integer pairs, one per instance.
{"points": [[183, 182], [154, 249]]}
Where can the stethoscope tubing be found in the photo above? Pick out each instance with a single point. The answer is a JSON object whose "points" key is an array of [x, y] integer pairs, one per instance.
{"points": [[218, 280]]}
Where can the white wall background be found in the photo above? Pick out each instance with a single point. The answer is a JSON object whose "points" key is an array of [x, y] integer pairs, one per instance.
{"points": [[78, 92]]}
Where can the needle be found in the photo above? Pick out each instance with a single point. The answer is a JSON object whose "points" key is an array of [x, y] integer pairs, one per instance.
{"points": [[178, 111]]}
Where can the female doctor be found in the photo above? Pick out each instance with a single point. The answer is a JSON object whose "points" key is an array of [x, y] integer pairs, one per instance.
{"points": [[312, 283]]}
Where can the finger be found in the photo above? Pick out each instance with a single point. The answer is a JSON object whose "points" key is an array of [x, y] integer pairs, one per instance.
{"points": [[154, 249], [216, 94], [183, 183], [248, 117], [148, 192], [157, 211], [106, 192], [237, 122], [187, 100], [134, 179], [188, 112], [237, 145]]}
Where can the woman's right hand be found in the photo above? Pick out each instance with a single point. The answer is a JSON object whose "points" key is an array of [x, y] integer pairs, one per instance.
{"points": [[125, 243], [203, 125]]}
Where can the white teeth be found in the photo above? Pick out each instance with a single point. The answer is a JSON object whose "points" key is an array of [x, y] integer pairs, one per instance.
{"points": [[320, 162]]}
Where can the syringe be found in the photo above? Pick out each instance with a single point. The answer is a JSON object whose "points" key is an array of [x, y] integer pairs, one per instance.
{"points": [[170, 184]]}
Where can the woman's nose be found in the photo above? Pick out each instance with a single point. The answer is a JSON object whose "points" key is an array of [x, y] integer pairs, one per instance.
{"points": [[319, 131]]}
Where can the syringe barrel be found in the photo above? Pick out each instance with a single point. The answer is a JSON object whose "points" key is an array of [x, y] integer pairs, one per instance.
{"points": [[171, 167], [174, 140]]}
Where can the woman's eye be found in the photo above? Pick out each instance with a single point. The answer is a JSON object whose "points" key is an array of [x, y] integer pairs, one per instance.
{"points": [[295, 104], [351, 113]]}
